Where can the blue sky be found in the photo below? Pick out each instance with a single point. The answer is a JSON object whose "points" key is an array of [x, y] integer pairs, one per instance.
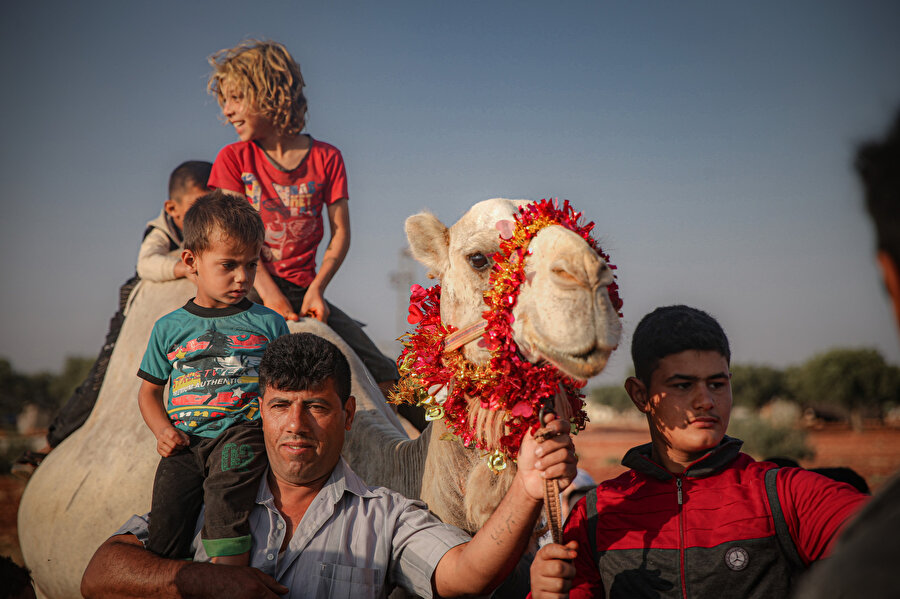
{"points": [[710, 142]]}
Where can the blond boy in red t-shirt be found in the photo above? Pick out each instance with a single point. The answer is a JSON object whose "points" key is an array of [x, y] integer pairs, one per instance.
{"points": [[291, 179]]}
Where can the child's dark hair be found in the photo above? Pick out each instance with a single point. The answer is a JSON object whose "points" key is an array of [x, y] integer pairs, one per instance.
{"points": [[269, 79], [225, 214], [193, 173], [673, 329], [878, 166], [303, 362]]}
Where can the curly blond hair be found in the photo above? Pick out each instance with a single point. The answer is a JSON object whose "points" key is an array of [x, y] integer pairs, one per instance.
{"points": [[269, 78]]}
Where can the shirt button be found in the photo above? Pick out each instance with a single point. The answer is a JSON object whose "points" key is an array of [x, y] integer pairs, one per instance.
{"points": [[280, 525], [270, 557]]}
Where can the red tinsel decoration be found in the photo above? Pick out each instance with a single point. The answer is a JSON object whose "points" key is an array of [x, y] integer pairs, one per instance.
{"points": [[507, 382]]}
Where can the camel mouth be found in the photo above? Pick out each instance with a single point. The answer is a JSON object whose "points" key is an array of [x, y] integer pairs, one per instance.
{"points": [[580, 361], [581, 365]]}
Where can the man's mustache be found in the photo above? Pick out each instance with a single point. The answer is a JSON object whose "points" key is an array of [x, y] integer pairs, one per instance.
{"points": [[297, 439]]}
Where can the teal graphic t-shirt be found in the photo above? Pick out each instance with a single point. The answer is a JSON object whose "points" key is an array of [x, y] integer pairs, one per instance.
{"points": [[209, 357]]}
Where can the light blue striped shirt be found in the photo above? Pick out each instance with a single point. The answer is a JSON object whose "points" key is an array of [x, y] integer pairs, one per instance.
{"points": [[353, 541]]}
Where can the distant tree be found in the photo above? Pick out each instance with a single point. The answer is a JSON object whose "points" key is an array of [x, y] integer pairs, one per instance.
{"points": [[12, 387], [44, 389], [17, 389], [754, 386], [857, 380], [75, 370], [613, 396], [762, 438]]}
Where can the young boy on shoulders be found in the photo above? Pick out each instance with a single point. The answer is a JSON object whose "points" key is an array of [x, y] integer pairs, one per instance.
{"points": [[694, 516], [159, 259], [208, 434], [291, 179]]}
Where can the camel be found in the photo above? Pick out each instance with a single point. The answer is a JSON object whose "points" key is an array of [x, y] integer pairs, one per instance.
{"points": [[562, 269], [103, 473]]}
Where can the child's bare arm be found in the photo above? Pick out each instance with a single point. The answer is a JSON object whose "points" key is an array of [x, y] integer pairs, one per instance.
{"points": [[155, 261], [168, 438], [271, 295], [339, 220]]}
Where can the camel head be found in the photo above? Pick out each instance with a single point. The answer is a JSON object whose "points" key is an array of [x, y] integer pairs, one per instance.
{"points": [[563, 314], [528, 333]]}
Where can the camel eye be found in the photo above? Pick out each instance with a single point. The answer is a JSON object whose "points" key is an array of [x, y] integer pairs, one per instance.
{"points": [[478, 261]]}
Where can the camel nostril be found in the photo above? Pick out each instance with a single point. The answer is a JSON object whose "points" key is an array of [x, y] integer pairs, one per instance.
{"points": [[597, 271]]}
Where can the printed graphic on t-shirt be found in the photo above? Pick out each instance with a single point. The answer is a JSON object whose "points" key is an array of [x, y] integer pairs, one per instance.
{"points": [[292, 216], [252, 189], [286, 237], [297, 198], [214, 380]]}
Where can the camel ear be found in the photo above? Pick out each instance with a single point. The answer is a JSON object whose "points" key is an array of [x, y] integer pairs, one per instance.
{"points": [[429, 241]]}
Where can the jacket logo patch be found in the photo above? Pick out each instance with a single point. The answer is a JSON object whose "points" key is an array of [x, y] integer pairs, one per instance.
{"points": [[737, 558]]}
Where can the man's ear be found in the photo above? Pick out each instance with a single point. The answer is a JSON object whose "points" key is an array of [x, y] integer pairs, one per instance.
{"points": [[350, 410], [637, 391], [891, 275], [190, 260]]}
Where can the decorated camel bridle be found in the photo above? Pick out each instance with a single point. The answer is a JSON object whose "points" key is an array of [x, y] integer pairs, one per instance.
{"points": [[434, 373]]}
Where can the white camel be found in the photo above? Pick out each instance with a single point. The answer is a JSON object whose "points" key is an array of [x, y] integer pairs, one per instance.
{"points": [[103, 473], [563, 315]]}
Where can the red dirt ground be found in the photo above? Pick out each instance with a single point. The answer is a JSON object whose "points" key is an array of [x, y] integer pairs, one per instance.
{"points": [[875, 454]]}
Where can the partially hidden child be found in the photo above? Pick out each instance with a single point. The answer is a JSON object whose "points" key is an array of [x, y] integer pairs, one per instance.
{"points": [[207, 352], [159, 259], [291, 179]]}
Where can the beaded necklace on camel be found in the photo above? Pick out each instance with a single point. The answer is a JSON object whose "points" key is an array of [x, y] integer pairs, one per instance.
{"points": [[434, 373]]}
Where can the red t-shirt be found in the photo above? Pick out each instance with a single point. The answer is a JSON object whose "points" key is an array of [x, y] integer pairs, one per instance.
{"points": [[289, 202]]}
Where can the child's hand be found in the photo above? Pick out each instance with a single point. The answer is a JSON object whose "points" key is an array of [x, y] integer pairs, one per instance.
{"points": [[169, 440], [314, 305], [276, 301], [181, 270]]}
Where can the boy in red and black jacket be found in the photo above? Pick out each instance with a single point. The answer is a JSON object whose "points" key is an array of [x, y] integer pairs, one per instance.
{"points": [[693, 516]]}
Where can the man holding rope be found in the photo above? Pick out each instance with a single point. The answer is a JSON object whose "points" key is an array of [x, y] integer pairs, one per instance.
{"points": [[317, 529]]}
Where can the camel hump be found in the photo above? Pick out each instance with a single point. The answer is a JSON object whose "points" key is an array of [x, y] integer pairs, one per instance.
{"points": [[103, 473]]}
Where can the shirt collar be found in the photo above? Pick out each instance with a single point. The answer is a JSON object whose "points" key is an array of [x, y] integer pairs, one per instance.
{"points": [[342, 479], [639, 458]]}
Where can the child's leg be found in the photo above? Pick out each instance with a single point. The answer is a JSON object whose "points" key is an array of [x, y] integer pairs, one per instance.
{"points": [[383, 369], [234, 467], [177, 499], [78, 407]]}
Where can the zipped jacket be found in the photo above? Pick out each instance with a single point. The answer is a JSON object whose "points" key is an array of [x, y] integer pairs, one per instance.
{"points": [[708, 532]]}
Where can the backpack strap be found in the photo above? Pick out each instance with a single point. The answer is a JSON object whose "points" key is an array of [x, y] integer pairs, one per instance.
{"points": [[782, 532], [590, 506]]}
